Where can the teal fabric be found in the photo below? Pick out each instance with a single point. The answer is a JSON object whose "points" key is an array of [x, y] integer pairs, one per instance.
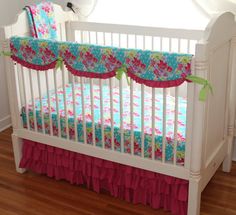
{"points": [[149, 66]]}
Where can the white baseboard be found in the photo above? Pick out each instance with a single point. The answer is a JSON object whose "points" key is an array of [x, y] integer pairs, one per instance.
{"points": [[5, 123]]}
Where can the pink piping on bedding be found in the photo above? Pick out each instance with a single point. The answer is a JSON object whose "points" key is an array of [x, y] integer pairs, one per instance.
{"points": [[35, 34], [89, 74], [34, 66], [150, 83]]}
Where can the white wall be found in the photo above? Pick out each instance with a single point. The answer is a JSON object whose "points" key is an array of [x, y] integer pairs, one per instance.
{"points": [[7, 14]]}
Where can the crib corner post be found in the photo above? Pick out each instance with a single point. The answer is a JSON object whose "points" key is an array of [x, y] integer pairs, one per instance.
{"points": [[17, 144], [12, 84], [230, 126], [194, 194], [227, 163]]}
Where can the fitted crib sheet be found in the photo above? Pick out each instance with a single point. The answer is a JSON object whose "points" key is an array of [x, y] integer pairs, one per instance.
{"points": [[137, 103]]}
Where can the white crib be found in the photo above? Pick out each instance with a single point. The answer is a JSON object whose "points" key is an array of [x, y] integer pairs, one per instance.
{"points": [[209, 128]]}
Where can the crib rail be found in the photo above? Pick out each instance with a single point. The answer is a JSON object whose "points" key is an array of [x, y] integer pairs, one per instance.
{"points": [[125, 36]]}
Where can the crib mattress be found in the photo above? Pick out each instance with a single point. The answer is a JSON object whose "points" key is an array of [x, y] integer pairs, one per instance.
{"points": [[137, 117]]}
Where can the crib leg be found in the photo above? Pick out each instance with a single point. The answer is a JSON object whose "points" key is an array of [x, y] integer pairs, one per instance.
{"points": [[17, 149], [194, 196], [227, 164]]}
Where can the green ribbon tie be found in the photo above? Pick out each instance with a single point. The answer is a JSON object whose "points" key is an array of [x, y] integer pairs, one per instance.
{"points": [[206, 86], [6, 54], [59, 63], [120, 72]]}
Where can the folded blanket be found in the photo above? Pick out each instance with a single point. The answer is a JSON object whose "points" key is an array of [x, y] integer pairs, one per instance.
{"points": [[42, 21]]}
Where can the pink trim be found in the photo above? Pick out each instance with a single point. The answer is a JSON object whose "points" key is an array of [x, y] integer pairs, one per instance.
{"points": [[90, 74], [121, 181], [34, 26], [156, 84], [34, 66], [150, 83]]}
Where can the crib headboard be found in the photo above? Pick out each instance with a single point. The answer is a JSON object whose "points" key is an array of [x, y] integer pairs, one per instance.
{"points": [[20, 27]]}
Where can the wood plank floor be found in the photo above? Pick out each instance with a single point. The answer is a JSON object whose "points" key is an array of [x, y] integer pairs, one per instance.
{"points": [[32, 194]]}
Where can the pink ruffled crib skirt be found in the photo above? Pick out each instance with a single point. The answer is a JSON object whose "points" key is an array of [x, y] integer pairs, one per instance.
{"points": [[125, 182]]}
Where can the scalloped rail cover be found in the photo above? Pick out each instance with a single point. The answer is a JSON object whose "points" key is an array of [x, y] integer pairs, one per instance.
{"points": [[151, 68]]}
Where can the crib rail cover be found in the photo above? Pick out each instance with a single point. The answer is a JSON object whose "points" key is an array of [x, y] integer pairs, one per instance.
{"points": [[151, 68]]}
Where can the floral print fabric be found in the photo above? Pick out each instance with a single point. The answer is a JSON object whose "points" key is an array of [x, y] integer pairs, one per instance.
{"points": [[137, 101], [41, 20], [154, 69]]}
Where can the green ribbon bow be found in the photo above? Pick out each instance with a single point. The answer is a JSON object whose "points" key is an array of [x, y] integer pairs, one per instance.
{"points": [[6, 54], [120, 72], [59, 63], [206, 86]]}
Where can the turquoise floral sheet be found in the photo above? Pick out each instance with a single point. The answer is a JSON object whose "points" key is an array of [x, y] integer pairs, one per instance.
{"points": [[107, 119]]}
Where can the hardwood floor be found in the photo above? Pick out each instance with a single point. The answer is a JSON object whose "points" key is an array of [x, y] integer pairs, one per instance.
{"points": [[32, 194]]}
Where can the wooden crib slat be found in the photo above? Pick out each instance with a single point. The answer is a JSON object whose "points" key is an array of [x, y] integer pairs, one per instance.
{"points": [[89, 37], [153, 114], [170, 44], [142, 120], [152, 43], [135, 41], [176, 124], [40, 100], [103, 38], [25, 98], [65, 102], [74, 109], [92, 109], [132, 116], [111, 111], [32, 100], [49, 104], [112, 41], [60, 31], [19, 83], [188, 46], [164, 126], [189, 123], [153, 122], [101, 111], [82, 36], [96, 37], [119, 40], [132, 134], [144, 42], [121, 105], [57, 103], [161, 43], [179, 45], [83, 109], [121, 116]]}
